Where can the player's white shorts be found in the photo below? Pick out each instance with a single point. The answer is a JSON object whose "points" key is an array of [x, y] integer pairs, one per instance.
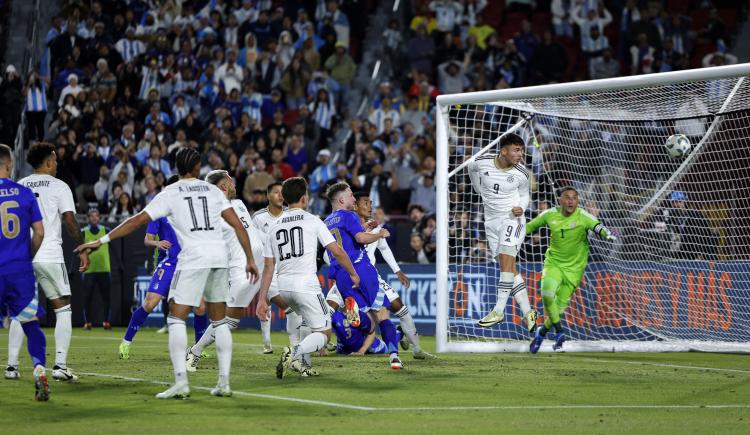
{"points": [[189, 285], [505, 236], [241, 290], [310, 305], [273, 289], [53, 278]]}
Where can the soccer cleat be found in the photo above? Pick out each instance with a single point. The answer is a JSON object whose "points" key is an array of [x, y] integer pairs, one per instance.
{"points": [[221, 391], [87, 326], [192, 361], [396, 363], [352, 311], [11, 372], [403, 341], [331, 347], [41, 384], [560, 339], [267, 348], [63, 374], [491, 319], [163, 330], [308, 372], [530, 319], [176, 391], [106, 325], [124, 350], [536, 343], [420, 354], [284, 362]]}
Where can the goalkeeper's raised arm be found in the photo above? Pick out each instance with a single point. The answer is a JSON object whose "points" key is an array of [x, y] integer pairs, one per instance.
{"points": [[565, 260]]}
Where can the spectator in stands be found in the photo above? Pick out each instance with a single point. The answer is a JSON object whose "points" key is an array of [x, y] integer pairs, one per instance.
{"points": [[342, 69], [278, 168], [418, 253], [104, 82], [296, 156], [11, 103], [447, 16], [323, 111], [452, 77], [326, 170], [393, 40], [156, 162], [64, 44], [586, 18], [97, 276], [692, 238], [550, 60], [561, 21], [714, 29], [421, 49], [595, 45], [87, 163], [604, 67], [642, 56], [339, 20], [129, 47], [259, 179], [35, 93], [423, 191], [294, 81], [385, 111], [424, 18], [101, 187], [526, 41], [122, 210]]}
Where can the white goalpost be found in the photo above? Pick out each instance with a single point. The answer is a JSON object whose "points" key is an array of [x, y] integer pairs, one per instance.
{"points": [[677, 279]]}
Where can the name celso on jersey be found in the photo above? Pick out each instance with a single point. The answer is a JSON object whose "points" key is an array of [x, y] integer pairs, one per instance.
{"points": [[501, 189], [54, 198]]}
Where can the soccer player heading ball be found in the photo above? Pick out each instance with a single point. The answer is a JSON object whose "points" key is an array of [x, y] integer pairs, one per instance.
{"points": [[565, 259], [503, 183]]}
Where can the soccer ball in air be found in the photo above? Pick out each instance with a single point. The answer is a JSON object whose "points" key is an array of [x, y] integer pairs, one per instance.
{"points": [[678, 146]]}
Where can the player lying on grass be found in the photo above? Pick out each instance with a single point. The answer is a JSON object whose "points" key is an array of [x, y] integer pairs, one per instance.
{"points": [[291, 251], [21, 236], [168, 250], [196, 210], [565, 260], [503, 184], [241, 291]]}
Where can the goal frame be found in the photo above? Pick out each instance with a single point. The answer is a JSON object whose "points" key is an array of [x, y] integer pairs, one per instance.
{"points": [[442, 213]]}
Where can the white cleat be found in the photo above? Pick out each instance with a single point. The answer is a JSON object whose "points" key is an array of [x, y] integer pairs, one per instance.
{"points": [[163, 330], [420, 354], [530, 320], [491, 319], [267, 348], [192, 361], [284, 362], [63, 374], [11, 372], [396, 363], [176, 391], [221, 391]]}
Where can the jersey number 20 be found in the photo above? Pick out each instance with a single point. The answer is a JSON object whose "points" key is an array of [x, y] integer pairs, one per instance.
{"points": [[293, 238]]}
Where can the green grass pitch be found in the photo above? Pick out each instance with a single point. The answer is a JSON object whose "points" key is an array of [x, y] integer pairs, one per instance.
{"points": [[467, 393]]}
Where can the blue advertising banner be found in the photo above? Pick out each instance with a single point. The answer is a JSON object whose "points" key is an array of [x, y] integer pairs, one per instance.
{"points": [[687, 299]]}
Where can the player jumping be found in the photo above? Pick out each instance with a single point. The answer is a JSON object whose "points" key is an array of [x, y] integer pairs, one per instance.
{"points": [[503, 183], [565, 259], [21, 235]]}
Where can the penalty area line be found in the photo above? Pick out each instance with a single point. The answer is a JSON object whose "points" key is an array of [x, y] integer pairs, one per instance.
{"points": [[240, 393], [665, 365]]}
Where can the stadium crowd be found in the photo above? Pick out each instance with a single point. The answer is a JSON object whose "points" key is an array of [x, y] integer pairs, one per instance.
{"points": [[259, 88]]}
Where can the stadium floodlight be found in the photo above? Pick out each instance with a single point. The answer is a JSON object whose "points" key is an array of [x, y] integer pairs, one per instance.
{"points": [[678, 278]]}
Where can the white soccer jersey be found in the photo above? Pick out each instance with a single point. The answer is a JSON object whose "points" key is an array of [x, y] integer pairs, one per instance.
{"points": [[293, 243], [501, 189], [236, 253], [194, 208], [263, 220], [54, 198], [385, 251]]}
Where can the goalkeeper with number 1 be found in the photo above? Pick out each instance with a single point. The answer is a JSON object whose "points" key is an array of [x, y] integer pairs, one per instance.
{"points": [[565, 259], [503, 183]]}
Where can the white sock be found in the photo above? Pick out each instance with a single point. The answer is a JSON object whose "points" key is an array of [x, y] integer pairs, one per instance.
{"points": [[15, 341], [63, 332], [223, 351], [312, 343], [293, 321], [207, 339], [504, 287], [520, 294], [265, 330], [304, 331], [177, 345], [408, 327]]}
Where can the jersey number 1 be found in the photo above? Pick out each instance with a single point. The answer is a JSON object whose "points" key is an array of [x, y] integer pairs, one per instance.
{"points": [[207, 223], [293, 238]]}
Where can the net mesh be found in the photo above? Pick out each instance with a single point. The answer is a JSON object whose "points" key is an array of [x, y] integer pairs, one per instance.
{"points": [[679, 270]]}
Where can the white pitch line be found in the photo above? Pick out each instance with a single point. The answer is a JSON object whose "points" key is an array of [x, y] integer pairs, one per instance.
{"points": [[673, 366], [428, 408], [149, 341], [241, 393]]}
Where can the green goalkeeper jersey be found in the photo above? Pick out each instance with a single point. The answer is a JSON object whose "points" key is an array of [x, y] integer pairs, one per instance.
{"points": [[569, 244]]}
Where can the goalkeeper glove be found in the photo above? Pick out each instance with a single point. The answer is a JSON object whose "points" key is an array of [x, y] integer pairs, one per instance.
{"points": [[611, 235]]}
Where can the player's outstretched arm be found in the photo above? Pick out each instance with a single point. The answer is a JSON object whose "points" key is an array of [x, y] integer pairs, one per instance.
{"points": [[533, 225], [261, 310], [150, 242], [127, 227], [366, 345], [37, 236], [230, 216], [367, 238], [344, 261], [74, 230]]}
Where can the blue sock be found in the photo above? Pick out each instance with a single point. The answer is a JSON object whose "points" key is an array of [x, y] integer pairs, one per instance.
{"points": [[200, 323], [36, 343], [390, 335], [136, 320]]}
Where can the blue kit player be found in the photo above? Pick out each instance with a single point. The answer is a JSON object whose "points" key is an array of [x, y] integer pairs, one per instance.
{"points": [[353, 341], [19, 218], [168, 249], [346, 227]]}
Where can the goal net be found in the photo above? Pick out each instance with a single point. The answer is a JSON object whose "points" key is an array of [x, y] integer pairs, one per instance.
{"points": [[677, 278]]}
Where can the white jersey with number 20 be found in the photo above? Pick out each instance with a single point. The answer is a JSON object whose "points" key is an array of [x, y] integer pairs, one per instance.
{"points": [[194, 208]]}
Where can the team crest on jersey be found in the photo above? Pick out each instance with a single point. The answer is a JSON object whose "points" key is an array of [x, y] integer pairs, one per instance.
{"points": [[510, 178], [572, 225]]}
